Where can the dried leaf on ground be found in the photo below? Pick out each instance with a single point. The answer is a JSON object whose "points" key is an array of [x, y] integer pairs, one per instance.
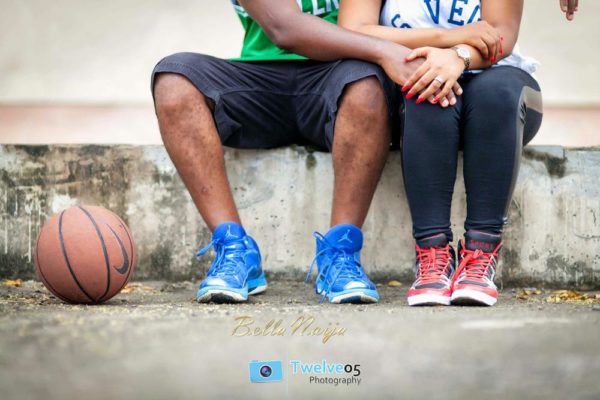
{"points": [[572, 296], [525, 294], [394, 283], [137, 287], [13, 283]]}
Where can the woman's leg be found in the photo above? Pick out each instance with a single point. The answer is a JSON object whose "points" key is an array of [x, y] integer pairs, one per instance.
{"points": [[502, 110], [429, 153], [430, 142]]}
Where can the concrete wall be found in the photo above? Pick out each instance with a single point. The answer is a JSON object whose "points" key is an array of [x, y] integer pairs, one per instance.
{"points": [[284, 195], [86, 51]]}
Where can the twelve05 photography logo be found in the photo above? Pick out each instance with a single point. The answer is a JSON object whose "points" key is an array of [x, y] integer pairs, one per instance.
{"points": [[319, 373], [265, 371]]}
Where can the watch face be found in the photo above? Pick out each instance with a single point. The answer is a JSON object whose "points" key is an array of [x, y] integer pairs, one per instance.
{"points": [[464, 53]]}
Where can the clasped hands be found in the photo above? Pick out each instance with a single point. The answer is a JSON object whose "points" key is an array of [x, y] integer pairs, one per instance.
{"points": [[436, 80]]}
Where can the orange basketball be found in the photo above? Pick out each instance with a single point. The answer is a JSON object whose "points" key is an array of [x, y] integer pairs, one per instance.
{"points": [[85, 254]]}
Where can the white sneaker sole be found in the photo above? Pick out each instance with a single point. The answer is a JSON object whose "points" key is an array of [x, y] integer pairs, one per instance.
{"points": [[468, 296], [221, 296], [228, 296], [258, 289], [427, 299], [356, 297]]}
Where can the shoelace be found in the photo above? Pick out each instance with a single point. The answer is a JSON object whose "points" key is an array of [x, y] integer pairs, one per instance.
{"points": [[229, 260], [348, 267], [433, 263], [475, 264]]}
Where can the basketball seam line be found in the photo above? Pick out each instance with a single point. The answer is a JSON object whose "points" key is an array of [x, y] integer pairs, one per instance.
{"points": [[44, 279], [106, 259], [64, 251]]}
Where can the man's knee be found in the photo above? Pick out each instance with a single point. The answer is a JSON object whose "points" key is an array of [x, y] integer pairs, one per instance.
{"points": [[365, 98], [174, 93]]}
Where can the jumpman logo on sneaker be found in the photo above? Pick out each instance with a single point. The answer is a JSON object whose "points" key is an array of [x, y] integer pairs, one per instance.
{"points": [[229, 235], [345, 237]]}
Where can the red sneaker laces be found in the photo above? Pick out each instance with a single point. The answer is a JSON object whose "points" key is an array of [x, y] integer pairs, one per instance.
{"points": [[433, 263], [475, 263]]}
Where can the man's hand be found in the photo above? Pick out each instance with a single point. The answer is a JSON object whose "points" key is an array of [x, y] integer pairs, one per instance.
{"points": [[436, 77], [400, 69], [569, 7], [394, 63]]}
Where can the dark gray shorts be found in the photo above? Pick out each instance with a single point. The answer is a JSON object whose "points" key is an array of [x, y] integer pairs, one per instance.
{"points": [[276, 103]]}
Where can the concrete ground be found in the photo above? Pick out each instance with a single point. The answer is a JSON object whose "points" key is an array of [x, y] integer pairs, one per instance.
{"points": [[155, 342]]}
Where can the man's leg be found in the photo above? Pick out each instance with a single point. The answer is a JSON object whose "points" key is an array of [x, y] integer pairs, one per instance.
{"points": [[190, 136], [360, 147], [358, 97], [202, 102]]}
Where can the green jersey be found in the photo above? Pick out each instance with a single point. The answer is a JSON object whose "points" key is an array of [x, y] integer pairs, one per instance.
{"points": [[258, 47]]}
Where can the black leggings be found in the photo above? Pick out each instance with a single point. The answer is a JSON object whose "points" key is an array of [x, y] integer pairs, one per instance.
{"points": [[498, 113]]}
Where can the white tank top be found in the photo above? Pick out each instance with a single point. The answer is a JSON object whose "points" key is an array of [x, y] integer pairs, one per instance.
{"points": [[445, 14]]}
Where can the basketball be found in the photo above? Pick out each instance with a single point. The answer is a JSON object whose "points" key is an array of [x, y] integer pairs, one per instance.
{"points": [[85, 254]]}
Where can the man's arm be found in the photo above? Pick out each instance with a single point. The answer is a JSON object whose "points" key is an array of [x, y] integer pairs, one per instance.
{"points": [[291, 29]]}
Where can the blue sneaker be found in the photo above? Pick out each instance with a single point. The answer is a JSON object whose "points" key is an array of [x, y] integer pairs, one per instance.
{"points": [[235, 272], [340, 277]]}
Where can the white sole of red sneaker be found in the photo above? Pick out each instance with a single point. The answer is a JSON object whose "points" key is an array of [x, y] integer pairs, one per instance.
{"points": [[427, 299], [470, 297]]}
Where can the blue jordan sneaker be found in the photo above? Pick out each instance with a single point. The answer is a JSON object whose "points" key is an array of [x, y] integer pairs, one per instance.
{"points": [[340, 276], [235, 272]]}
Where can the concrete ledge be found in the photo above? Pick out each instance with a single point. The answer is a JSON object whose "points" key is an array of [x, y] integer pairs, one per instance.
{"points": [[284, 195]]}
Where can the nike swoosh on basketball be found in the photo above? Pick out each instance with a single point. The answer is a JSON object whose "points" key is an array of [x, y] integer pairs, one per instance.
{"points": [[125, 266]]}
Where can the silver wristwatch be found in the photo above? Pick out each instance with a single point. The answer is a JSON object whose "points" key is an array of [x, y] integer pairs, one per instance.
{"points": [[464, 54]]}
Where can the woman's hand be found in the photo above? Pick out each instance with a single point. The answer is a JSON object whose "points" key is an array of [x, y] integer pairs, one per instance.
{"points": [[481, 35], [436, 76]]}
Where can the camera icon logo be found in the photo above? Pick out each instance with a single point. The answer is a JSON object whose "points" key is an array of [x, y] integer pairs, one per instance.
{"points": [[265, 371]]}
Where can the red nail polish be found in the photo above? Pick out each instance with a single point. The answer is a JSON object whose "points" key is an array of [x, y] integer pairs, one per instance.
{"points": [[409, 96], [405, 88], [419, 100], [435, 100]]}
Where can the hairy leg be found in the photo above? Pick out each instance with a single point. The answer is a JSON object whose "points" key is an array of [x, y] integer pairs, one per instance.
{"points": [[360, 147], [190, 136]]}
